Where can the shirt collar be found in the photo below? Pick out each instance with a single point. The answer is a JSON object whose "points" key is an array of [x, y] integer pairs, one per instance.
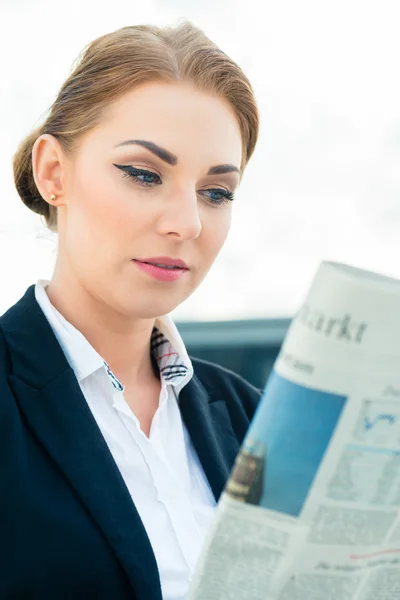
{"points": [[167, 346]]}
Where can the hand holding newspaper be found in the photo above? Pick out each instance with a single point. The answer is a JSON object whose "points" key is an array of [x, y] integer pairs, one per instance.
{"points": [[312, 508]]}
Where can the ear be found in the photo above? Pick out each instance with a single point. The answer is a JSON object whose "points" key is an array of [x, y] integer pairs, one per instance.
{"points": [[48, 162]]}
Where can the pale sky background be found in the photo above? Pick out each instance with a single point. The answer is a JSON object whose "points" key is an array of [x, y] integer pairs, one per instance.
{"points": [[324, 182]]}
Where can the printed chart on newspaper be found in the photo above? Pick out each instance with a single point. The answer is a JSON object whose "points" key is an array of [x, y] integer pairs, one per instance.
{"points": [[311, 510]]}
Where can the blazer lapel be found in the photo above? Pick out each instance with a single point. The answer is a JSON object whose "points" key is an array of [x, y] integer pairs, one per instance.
{"points": [[49, 395], [210, 429]]}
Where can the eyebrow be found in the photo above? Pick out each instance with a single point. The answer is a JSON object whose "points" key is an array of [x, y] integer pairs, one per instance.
{"points": [[172, 160]]}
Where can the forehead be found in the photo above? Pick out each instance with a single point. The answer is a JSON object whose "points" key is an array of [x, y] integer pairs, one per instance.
{"points": [[188, 122]]}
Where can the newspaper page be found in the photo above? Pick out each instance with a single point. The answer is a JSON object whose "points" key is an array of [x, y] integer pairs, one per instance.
{"points": [[312, 508]]}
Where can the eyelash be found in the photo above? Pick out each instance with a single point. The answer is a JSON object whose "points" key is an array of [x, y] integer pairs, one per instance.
{"points": [[134, 173]]}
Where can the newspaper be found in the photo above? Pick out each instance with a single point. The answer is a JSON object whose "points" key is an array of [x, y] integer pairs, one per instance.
{"points": [[312, 508]]}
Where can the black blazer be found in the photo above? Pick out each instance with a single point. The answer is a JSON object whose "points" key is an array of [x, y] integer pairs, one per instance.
{"points": [[68, 526]]}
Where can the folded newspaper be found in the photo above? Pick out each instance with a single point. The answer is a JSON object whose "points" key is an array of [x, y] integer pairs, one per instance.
{"points": [[312, 508]]}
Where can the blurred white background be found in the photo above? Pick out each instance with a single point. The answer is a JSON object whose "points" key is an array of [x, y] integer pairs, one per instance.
{"points": [[324, 182]]}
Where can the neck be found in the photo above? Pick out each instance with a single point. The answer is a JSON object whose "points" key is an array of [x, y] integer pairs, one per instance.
{"points": [[122, 341]]}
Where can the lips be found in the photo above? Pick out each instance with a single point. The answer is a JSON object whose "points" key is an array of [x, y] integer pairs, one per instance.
{"points": [[164, 262], [162, 268]]}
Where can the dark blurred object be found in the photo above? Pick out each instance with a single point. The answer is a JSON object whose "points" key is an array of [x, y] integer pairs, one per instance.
{"points": [[247, 347]]}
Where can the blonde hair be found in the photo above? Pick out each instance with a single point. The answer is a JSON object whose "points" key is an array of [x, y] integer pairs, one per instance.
{"points": [[117, 62]]}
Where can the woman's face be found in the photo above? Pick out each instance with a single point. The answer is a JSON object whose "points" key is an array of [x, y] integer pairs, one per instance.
{"points": [[150, 184]]}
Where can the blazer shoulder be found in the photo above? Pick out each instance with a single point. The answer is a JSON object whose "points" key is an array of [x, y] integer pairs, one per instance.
{"points": [[7, 401], [222, 382], [4, 355]]}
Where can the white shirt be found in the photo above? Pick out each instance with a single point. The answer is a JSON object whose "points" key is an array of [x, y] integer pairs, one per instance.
{"points": [[162, 472]]}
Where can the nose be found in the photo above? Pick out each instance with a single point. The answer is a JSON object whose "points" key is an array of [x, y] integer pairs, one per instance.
{"points": [[180, 216]]}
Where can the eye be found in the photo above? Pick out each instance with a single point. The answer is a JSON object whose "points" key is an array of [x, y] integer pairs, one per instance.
{"points": [[218, 196], [141, 176]]}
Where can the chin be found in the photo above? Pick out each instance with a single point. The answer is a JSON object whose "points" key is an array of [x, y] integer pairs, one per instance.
{"points": [[150, 309], [145, 302]]}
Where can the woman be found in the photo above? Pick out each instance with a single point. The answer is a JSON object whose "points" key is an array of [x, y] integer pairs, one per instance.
{"points": [[115, 445]]}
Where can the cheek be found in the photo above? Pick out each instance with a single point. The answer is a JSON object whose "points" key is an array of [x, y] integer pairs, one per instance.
{"points": [[215, 231], [98, 213]]}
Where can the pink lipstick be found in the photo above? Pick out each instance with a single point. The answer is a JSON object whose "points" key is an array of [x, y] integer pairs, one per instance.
{"points": [[162, 268]]}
